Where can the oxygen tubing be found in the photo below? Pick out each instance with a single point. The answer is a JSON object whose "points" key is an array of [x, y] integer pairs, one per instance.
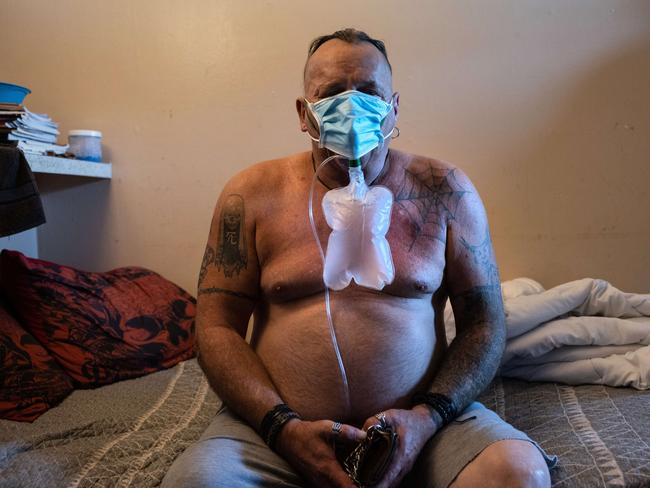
{"points": [[328, 311]]}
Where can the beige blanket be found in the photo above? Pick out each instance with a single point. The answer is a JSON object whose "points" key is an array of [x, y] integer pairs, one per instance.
{"points": [[124, 434]]}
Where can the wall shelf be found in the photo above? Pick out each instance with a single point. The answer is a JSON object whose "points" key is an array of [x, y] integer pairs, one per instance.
{"points": [[65, 166]]}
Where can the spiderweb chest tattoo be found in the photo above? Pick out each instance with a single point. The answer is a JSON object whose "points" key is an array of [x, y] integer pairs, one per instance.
{"points": [[431, 198]]}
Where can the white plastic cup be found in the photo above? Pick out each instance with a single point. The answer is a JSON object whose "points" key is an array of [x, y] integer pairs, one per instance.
{"points": [[86, 144]]}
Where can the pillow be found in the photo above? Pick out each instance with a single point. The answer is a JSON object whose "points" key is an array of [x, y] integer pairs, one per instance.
{"points": [[100, 327], [30, 382]]}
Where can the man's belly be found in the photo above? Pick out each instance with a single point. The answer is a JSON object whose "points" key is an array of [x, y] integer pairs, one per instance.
{"points": [[386, 343]]}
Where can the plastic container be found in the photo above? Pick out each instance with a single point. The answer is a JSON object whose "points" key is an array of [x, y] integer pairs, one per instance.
{"points": [[10, 93], [86, 144]]}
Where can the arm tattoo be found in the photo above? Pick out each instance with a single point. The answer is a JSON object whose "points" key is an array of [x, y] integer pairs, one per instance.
{"points": [[483, 257], [208, 259], [481, 304], [431, 198], [230, 253], [474, 356], [214, 289]]}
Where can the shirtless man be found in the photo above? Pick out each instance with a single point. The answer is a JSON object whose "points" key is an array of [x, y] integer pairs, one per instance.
{"points": [[261, 259]]}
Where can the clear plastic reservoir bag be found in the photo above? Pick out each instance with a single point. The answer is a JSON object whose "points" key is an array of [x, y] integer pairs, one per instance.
{"points": [[357, 248]]}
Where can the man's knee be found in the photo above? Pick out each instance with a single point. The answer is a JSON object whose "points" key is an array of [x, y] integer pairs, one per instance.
{"points": [[226, 463], [511, 463], [202, 465]]}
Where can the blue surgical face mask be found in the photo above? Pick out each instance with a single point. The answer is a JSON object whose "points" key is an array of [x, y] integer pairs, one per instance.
{"points": [[350, 123]]}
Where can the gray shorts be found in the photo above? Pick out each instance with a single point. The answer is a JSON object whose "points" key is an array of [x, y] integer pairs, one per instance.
{"points": [[231, 454]]}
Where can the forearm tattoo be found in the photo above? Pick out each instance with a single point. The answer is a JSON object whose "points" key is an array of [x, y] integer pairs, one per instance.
{"points": [[481, 304], [474, 357]]}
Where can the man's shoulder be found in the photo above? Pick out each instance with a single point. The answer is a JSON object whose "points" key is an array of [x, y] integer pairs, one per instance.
{"points": [[445, 187], [272, 173], [429, 168]]}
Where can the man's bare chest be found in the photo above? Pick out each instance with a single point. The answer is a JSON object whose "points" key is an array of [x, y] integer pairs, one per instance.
{"points": [[291, 266]]}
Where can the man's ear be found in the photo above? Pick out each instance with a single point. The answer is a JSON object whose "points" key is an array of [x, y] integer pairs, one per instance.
{"points": [[302, 114]]}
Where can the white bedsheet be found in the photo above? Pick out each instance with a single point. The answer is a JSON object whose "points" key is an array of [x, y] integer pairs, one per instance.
{"points": [[585, 331]]}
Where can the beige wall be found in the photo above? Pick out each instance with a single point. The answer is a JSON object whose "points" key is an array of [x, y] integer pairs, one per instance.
{"points": [[545, 104]]}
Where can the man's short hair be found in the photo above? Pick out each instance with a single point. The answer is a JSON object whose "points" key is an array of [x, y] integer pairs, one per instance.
{"points": [[351, 36]]}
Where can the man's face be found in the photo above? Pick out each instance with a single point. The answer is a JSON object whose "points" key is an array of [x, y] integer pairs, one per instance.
{"points": [[338, 66]]}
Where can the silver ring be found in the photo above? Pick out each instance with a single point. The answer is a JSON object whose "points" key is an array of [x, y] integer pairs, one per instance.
{"points": [[336, 428], [381, 416]]}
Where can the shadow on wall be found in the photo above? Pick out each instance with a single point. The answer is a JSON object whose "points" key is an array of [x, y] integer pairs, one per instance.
{"points": [[72, 225], [581, 195]]}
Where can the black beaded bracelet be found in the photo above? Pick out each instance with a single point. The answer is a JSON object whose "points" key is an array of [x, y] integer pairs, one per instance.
{"points": [[440, 403], [273, 422]]}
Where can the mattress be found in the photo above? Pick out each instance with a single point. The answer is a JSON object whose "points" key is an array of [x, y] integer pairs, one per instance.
{"points": [[124, 434], [600, 434], [129, 433]]}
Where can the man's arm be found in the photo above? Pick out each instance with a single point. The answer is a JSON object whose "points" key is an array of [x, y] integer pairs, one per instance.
{"points": [[473, 284], [228, 291], [227, 294], [471, 279]]}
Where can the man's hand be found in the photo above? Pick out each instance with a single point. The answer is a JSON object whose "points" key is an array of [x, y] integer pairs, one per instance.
{"points": [[414, 428], [309, 448]]}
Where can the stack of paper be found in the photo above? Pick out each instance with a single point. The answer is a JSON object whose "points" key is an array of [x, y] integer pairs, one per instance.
{"points": [[8, 113], [35, 133]]}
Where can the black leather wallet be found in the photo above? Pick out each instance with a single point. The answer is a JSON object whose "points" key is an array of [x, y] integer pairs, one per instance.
{"points": [[368, 462]]}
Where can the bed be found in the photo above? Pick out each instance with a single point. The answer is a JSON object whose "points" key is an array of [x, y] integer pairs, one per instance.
{"points": [[130, 432], [600, 434], [103, 364], [124, 434]]}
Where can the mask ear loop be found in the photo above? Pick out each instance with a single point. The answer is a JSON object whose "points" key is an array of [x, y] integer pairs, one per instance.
{"points": [[318, 121], [390, 134], [330, 322]]}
